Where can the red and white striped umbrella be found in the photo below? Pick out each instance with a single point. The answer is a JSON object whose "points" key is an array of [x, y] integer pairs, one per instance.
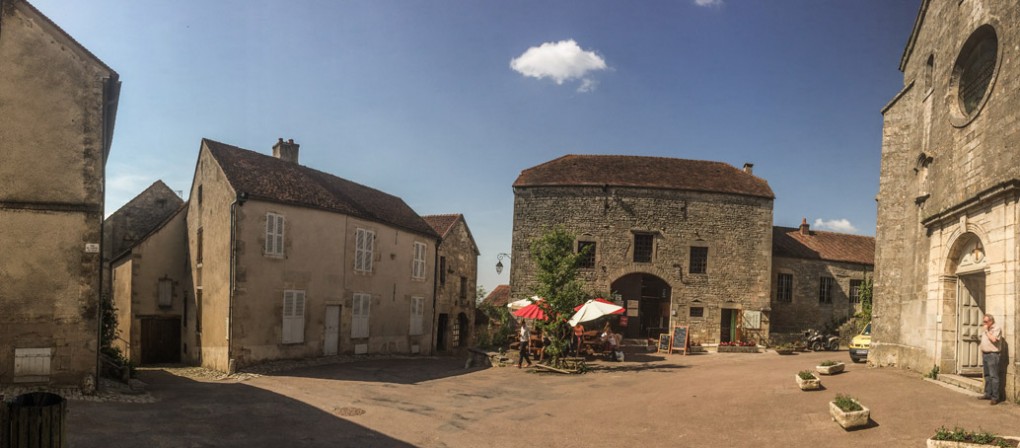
{"points": [[532, 311]]}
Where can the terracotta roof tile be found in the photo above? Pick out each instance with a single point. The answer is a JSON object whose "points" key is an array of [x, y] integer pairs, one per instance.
{"points": [[644, 172], [443, 224], [268, 178], [499, 296], [791, 243]]}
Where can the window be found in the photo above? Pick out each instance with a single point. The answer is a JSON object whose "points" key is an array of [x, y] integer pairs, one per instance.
{"points": [[442, 271], [274, 234], [643, 247], [784, 288], [199, 195], [463, 288], [586, 250], [364, 246], [418, 267], [198, 248], [198, 310], [362, 307], [825, 290], [293, 317], [855, 291], [699, 260], [697, 311], [417, 311], [166, 289]]}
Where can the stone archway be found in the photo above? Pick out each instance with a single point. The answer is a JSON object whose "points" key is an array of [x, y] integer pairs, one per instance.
{"points": [[963, 305], [647, 300]]}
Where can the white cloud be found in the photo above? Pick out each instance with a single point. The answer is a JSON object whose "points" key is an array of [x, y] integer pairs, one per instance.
{"points": [[836, 225], [708, 2], [561, 61]]}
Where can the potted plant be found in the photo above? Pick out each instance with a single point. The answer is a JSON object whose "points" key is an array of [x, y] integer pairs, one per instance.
{"points": [[959, 438], [830, 367], [785, 349], [696, 347], [738, 347], [807, 380], [848, 412]]}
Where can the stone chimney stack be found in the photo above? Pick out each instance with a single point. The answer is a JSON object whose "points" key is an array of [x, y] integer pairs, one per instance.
{"points": [[749, 168], [804, 228], [286, 150]]}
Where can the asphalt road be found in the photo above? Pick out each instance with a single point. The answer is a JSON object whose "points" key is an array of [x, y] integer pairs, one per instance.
{"points": [[711, 400]]}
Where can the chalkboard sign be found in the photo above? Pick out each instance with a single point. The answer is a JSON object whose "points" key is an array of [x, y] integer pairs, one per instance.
{"points": [[664, 342], [679, 339]]}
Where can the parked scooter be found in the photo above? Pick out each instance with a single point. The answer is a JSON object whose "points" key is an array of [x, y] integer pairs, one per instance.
{"points": [[819, 342]]}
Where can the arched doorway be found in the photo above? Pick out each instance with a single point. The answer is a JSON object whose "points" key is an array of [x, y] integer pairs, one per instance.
{"points": [[965, 278], [647, 300]]}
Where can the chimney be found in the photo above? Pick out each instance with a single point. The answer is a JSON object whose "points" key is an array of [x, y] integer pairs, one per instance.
{"points": [[749, 168], [804, 229], [286, 150]]}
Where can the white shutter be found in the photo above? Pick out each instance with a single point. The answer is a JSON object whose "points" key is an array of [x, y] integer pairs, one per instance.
{"points": [[360, 318], [417, 311], [293, 317], [270, 231], [165, 292], [279, 234], [359, 250], [369, 249]]}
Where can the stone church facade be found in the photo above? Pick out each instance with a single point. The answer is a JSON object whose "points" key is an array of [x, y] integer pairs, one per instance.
{"points": [[947, 235], [676, 241]]}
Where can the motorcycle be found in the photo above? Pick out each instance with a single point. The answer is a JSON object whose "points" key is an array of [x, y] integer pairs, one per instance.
{"points": [[819, 342]]}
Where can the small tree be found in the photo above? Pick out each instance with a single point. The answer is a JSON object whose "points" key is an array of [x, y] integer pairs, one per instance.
{"points": [[556, 263], [866, 300]]}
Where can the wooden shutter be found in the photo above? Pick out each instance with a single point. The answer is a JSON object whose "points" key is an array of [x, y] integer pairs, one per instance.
{"points": [[270, 231], [293, 317], [369, 249], [165, 292], [279, 234]]}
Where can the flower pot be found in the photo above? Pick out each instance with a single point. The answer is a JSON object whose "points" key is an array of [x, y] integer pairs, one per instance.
{"points": [[830, 370], [813, 384], [932, 443], [737, 349], [849, 420]]}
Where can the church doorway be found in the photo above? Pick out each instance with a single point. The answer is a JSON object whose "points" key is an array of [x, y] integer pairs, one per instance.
{"points": [[969, 314], [647, 300], [966, 270]]}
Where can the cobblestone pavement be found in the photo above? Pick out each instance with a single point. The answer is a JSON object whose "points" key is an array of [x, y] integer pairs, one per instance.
{"points": [[712, 400]]}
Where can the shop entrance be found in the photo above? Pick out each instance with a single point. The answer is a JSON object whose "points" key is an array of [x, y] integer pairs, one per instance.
{"points": [[647, 300]]}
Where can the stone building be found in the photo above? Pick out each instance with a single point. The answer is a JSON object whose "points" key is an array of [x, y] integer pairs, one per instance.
{"points": [[676, 241], [58, 105], [290, 262], [457, 282], [817, 277], [134, 220], [947, 235]]}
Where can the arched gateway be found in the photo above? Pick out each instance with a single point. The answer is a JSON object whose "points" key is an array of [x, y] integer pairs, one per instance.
{"points": [[964, 281], [647, 300]]}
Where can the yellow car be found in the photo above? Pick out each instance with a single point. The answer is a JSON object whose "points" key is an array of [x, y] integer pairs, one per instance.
{"points": [[860, 344]]}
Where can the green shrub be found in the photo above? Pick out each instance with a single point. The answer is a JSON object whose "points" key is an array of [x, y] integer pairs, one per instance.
{"points": [[806, 375], [847, 403], [828, 363]]}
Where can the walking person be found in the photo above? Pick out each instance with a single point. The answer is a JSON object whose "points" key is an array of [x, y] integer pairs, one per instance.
{"points": [[525, 338], [990, 356]]}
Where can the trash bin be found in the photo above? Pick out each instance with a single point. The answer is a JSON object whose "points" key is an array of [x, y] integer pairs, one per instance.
{"points": [[34, 420]]}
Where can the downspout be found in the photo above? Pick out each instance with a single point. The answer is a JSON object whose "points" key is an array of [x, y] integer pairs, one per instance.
{"points": [[238, 200], [435, 294], [111, 96]]}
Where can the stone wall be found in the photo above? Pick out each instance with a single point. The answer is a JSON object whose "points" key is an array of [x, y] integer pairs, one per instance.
{"points": [[736, 229], [461, 258], [805, 310], [949, 174]]}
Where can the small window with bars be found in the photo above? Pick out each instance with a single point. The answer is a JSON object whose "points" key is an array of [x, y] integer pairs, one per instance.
{"points": [[784, 288], [825, 290], [586, 254], [855, 291], [643, 243], [699, 260]]}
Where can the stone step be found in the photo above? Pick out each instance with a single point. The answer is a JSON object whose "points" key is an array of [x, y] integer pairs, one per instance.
{"points": [[969, 385]]}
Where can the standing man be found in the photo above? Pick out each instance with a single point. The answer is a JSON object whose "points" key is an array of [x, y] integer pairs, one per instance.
{"points": [[525, 338], [990, 344]]}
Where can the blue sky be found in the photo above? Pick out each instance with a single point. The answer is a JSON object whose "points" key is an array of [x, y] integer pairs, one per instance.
{"points": [[443, 103]]}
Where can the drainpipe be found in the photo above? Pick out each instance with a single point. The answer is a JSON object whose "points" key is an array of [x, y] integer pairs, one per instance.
{"points": [[239, 200], [435, 294], [111, 96]]}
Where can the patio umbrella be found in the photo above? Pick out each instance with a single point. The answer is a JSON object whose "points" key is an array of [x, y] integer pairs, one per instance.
{"points": [[532, 311], [600, 300], [518, 304], [594, 309]]}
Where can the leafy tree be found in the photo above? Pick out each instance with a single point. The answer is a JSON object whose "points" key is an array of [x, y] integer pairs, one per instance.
{"points": [[556, 263], [866, 300]]}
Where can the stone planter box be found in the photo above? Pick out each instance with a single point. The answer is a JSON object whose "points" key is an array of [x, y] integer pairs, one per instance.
{"points": [[696, 349], [950, 444], [812, 384], [737, 349], [831, 370], [849, 420], [785, 351]]}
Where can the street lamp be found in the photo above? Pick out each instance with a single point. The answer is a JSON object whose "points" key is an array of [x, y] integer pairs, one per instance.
{"points": [[499, 261]]}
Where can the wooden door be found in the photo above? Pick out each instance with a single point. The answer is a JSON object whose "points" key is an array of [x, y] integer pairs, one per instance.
{"points": [[332, 340], [971, 305], [161, 340]]}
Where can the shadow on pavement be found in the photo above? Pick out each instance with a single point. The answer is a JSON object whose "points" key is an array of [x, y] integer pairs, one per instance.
{"points": [[396, 371], [191, 413]]}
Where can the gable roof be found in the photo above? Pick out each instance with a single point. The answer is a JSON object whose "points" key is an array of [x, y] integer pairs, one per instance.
{"points": [[644, 172], [63, 34], [789, 242], [444, 224], [499, 296], [270, 179], [140, 216], [183, 208], [909, 50]]}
